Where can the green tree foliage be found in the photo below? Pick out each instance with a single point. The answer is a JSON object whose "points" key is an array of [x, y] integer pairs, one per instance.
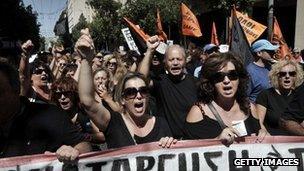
{"points": [[243, 5], [82, 23], [106, 26], [18, 22], [143, 13]]}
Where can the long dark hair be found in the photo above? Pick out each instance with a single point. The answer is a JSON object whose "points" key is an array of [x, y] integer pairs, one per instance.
{"points": [[213, 64]]}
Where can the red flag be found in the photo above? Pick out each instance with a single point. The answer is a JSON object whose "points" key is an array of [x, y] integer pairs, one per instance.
{"points": [[137, 30], [161, 34], [190, 25], [214, 39], [277, 38]]}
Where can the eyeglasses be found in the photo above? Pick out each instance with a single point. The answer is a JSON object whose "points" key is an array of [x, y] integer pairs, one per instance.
{"points": [[58, 94], [220, 76], [38, 71], [111, 63], [284, 74], [131, 92]]}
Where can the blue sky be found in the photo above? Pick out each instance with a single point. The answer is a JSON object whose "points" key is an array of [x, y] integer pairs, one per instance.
{"points": [[48, 13]]}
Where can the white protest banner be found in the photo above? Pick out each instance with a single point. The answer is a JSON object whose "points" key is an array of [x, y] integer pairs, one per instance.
{"points": [[275, 153], [129, 39]]}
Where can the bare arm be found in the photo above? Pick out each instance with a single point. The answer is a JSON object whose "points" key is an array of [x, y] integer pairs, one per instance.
{"points": [[292, 126], [97, 112], [113, 105], [83, 147], [76, 75], [24, 75], [261, 112], [97, 136], [144, 66], [24, 71]]}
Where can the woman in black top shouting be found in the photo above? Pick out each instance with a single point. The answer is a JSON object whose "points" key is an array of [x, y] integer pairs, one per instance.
{"points": [[285, 76], [222, 111], [131, 126]]}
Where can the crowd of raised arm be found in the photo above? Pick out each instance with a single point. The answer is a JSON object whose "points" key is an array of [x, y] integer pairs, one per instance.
{"points": [[72, 103]]}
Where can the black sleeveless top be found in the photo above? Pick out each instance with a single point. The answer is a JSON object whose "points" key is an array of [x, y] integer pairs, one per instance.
{"points": [[209, 128], [117, 134]]}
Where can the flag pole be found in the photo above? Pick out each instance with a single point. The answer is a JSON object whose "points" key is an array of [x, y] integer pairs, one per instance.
{"points": [[270, 18]]}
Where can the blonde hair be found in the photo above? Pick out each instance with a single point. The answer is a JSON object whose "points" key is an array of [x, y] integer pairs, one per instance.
{"points": [[121, 70], [276, 68]]}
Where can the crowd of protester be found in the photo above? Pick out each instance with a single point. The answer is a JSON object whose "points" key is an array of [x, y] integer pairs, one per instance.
{"points": [[73, 103]]}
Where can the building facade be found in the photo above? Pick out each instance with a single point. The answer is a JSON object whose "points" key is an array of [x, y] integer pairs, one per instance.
{"points": [[74, 9]]}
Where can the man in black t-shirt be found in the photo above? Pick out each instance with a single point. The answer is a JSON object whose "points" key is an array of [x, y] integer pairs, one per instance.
{"points": [[175, 91], [293, 117], [29, 128]]}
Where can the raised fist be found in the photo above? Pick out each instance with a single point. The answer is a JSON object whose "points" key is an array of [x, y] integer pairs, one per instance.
{"points": [[153, 42], [85, 45], [27, 47]]}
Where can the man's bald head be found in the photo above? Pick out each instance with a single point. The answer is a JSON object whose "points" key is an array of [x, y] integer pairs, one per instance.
{"points": [[175, 60], [175, 47]]}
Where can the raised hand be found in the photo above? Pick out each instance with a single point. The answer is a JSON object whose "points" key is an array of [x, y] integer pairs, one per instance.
{"points": [[85, 45], [27, 47], [102, 91], [153, 42]]}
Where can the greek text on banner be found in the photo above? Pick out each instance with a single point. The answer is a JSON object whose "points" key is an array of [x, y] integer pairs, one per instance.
{"points": [[185, 155]]}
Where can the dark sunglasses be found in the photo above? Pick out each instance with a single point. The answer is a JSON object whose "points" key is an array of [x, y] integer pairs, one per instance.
{"points": [[58, 94], [38, 71], [220, 76], [284, 74], [131, 92], [111, 63], [270, 52]]}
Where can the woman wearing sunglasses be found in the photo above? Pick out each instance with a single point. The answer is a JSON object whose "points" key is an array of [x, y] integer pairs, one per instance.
{"points": [[222, 111], [114, 64], [131, 126], [284, 76], [65, 95]]}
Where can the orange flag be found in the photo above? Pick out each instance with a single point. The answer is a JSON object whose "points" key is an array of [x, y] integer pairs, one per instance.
{"points": [[190, 25], [161, 34], [277, 38], [137, 29], [252, 29], [214, 39]]}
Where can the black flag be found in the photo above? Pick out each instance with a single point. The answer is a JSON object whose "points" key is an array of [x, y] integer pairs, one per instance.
{"points": [[239, 44]]}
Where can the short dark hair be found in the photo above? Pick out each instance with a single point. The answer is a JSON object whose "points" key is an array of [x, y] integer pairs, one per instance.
{"points": [[12, 75], [213, 64]]}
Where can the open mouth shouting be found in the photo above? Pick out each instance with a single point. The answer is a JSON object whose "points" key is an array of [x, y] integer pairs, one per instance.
{"points": [[44, 78], [176, 70], [139, 107], [65, 105], [287, 83], [227, 90]]}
